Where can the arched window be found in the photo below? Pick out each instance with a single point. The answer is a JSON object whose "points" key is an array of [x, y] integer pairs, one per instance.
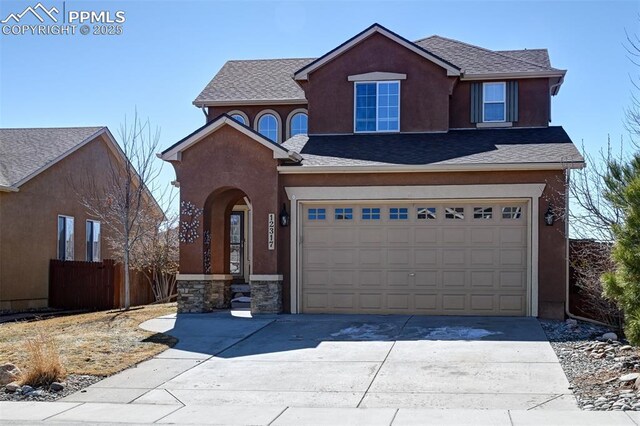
{"points": [[239, 119], [299, 124], [268, 126]]}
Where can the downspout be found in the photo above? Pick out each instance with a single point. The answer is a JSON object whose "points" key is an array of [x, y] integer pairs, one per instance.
{"points": [[205, 112], [566, 300]]}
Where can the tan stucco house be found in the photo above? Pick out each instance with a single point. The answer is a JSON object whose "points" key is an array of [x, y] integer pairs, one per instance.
{"points": [[386, 176], [41, 217]]}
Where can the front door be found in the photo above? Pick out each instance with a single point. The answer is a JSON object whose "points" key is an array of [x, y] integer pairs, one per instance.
{"points": [[237, 244]]}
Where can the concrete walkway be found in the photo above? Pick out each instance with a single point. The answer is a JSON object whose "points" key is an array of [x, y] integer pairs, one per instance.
{"points": [[94, 413], [334, 369]]}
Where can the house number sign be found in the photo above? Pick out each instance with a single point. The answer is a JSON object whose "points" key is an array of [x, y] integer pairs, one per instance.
{"points": [[271, 231]]}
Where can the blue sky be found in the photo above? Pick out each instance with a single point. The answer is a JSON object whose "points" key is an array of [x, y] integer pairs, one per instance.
{"points": [[171, 49]]}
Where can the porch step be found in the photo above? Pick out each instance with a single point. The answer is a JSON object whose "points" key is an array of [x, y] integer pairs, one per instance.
{"points": [[241, 302]]}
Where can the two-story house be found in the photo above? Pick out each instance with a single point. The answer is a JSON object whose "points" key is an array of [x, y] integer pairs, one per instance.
{"points": [[386, 176]]}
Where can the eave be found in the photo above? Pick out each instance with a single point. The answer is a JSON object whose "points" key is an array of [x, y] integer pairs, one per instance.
{"points": [[402, 168]]}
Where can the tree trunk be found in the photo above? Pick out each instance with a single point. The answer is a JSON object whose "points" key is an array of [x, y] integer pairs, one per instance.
{"points": [[127, 298]]}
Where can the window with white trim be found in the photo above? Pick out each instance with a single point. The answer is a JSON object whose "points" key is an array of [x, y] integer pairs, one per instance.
{"points": [[316, 214], [239, 119], [494, 102], [93, 241], [426, 213], [65, 237], [511, 212], [398, 213], [343, 214], [377, 106], [370, 213], [268, 127], [483, 212], [454, 213], [299, 124]]}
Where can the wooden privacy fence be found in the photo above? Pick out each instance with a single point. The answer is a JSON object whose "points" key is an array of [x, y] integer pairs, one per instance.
{"points": [[94, 285]]}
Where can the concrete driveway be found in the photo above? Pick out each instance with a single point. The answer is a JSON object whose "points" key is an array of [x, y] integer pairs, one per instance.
{"points": [[345, 361]]}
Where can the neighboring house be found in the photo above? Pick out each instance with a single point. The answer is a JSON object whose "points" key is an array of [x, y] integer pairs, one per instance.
{"points": [[41, 217], [386, 176]]}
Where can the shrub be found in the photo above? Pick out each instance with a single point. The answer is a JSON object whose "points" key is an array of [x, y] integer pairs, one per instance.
{"points": [[44, 366]]}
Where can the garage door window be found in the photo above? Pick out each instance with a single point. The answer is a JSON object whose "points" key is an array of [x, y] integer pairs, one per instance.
{"points": [[370, 213], [344, 214], [511, 212], [454, 213], [426, 213], [317, 214], [482, 212], [398, 213]]}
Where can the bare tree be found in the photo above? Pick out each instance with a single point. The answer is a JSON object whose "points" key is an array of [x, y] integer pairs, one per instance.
{"points": [[123, 201]]}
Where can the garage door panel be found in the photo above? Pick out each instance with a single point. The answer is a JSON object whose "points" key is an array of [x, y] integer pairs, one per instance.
{"points": [[430, 265]]}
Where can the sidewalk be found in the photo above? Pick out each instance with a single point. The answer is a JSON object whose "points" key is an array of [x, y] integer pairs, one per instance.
{"points": [[95, 413]]}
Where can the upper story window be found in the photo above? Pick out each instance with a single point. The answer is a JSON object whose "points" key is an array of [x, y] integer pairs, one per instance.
{"points": [[494, 102], [298, 124], [377, 106], [93, 241], [268, 126], [65, 237], [239, 118]]}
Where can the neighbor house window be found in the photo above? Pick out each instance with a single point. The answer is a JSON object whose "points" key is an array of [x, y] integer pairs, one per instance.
{"points": [[494, 102], [377, 106], [65, 237], [268, 127], [239, 118], [370, 213], [93, 241], [344, 214], [425, 213], [316, 214], [398, 213], [299, 123]]}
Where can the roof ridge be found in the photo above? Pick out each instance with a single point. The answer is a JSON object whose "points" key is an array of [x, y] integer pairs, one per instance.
{"points": [[497, 52], [269, 59], [52, 128]]}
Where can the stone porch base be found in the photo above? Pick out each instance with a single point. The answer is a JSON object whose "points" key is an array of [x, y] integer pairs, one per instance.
{"points": [[266, 294], [204, 295]]}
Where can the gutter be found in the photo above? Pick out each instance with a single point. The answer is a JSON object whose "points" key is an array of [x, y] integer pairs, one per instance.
{"points": [[503, 75], [428, 168], [249, 102], [4, 188]]}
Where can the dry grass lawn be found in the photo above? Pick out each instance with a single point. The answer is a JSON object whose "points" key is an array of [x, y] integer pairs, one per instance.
{"points": [[97, 343]]}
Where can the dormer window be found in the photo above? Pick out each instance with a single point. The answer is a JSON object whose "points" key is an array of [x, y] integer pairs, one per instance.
{"points": [[494, 102], [377, 106]]}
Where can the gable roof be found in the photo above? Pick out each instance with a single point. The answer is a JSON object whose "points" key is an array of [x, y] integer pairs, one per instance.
{"points": [[302, 73], [24, 153], [494, 149], [174, 152], [254, 81], [269, 81]]}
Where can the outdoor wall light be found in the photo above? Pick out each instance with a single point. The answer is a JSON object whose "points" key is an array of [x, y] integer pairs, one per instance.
{"points": [[284, 216], [549, 216]]}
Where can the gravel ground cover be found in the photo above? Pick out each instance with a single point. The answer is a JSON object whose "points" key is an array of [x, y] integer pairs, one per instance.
{"points": [[73, 383], [602, 369]]}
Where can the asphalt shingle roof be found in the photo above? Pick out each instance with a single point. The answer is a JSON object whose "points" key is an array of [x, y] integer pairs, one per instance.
{"points": [[25, 151], [456, 147], [478, 60], [250, 80], [271, 79]]}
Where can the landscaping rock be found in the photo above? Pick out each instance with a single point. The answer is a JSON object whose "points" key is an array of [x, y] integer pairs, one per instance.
{"points": [[26, 389], [57, 386], [631, 377], [610, 336], [626, 348], [8, 373], [12, 387], [571, 323]]}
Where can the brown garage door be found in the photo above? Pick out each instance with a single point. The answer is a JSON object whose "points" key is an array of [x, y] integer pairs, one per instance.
{"points": [[453, 258]]}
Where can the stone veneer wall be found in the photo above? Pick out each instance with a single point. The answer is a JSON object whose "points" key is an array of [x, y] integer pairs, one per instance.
{"points": [[266, 297], [203, 295]]}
